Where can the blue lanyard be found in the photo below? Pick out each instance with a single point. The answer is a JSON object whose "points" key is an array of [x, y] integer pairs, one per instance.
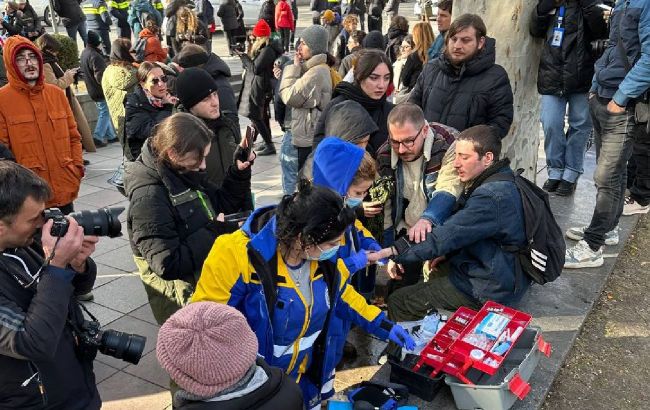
{"points": [[560, 17]]}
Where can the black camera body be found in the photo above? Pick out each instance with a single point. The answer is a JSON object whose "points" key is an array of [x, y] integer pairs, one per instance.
{"points": [[91, 338], [100, 222]]}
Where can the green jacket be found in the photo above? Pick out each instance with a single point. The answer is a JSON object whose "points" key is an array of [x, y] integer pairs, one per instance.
{"points": [[117, 82]]}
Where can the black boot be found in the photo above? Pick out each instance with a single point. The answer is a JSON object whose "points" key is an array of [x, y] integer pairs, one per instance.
{"points": [[269, 149]]}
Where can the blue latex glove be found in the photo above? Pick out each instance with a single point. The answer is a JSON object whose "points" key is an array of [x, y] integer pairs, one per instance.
{"points": [[401, 337]]}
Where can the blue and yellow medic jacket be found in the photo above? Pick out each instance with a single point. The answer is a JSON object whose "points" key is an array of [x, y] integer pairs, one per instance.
{"points": [[245, 270]]}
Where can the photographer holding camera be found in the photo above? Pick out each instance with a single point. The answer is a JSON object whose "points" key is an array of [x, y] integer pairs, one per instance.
{"points": [[43, 367]]}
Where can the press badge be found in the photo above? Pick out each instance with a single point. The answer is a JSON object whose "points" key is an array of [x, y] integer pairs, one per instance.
{"points": [[558, 31]]}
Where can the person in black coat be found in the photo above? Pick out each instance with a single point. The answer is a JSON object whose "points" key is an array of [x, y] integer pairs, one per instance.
{"points": [[464, 86], [230, 22], [145, 108], [398, 29], [32, 27], [369, 92], [175, 214], [267, 13], [73, 19], [12, 22]]}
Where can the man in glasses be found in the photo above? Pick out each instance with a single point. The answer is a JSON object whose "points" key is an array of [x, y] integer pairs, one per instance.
{"points": [[37, 125], [416, 157]]}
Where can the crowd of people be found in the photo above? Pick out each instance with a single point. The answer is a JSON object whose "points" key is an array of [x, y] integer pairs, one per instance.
{"points": [[386, 136]]}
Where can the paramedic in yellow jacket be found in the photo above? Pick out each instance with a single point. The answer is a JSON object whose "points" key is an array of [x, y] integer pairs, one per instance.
{"points": [[281, 271]]}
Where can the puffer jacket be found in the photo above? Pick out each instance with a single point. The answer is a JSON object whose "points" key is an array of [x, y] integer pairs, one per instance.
{"points": [[170, 242], [267, 13], [630, 24], [306, 89], [227, 12], [243, 269], [37, 125], [283, 15], [256, 90], [141, 118], [569, 68], [153, 49], [117, 82], [477, 93], [473, 238], [32, 27], [220, 72]]}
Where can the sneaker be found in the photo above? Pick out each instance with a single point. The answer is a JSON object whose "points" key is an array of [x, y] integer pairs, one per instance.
{"points": [[632, 207], [99, 143], [565, 188], [112, 140], [551, 185], [268, 150], [577, 233], [582, 256]]}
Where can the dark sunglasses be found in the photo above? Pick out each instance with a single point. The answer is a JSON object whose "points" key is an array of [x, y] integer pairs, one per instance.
{"points": [[157, 80]]}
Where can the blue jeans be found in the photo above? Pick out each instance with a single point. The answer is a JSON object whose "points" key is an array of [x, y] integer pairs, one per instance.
{"points": [[81, 28], [288, 164], [104, 129], [613, 137], [565, 153]]}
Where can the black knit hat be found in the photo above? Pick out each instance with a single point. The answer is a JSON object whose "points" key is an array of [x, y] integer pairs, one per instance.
{"points": [[193, 85], [93, 39]]}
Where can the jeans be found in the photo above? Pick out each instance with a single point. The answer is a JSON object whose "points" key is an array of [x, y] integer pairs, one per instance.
{"points": [[565, 153], [613, 137], [104, 129], [81, 28], [288, 164]]}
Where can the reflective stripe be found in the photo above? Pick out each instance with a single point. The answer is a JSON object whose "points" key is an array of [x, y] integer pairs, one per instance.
{"points": [[535, 258], [305, 343], [93, 10], [539, 254], [119, 5]]}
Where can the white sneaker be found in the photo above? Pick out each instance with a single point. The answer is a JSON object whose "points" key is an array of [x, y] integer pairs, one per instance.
{"points": [[632, 207], [582, 256], [577, 233]]}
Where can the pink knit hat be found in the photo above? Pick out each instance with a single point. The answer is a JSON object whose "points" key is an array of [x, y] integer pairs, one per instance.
{"points": [[206, 347]]}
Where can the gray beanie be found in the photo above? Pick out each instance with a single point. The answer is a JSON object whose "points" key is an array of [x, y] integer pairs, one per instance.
{"points": [[316, 39]]}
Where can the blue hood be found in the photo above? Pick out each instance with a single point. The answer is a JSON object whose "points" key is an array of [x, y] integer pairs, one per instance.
{"points": [[262, 236], [335, 163]]}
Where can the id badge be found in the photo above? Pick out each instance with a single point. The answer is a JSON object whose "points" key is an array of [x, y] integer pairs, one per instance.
{"points": [[558, 35]]}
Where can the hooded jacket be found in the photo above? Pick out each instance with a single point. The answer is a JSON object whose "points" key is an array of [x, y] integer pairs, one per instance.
{"points": [[220, 72], [117, 82], [283, 15], [37, 125], [170, 229], [31, 23], [256, 90], [141, 117], [477, 93], [153, 49], [307, 89], [92, 66], [393, 41]]}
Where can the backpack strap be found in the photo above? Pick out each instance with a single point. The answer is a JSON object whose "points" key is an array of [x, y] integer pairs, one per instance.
{"points": [[268, 278]]}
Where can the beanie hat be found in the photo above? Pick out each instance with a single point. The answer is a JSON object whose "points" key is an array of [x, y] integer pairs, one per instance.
{"points": [[316, 39], [193, 85], [93, 39], [262, 29], [190, 56], [328, 16], [374, 39], [21, 1], [206, 347]]}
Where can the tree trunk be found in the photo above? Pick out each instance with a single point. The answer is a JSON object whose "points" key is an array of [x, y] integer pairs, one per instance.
{"points": [[518, 52]]}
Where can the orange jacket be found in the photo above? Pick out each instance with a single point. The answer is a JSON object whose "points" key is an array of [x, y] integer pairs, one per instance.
{"points": [[37, 124], [153, 50]]}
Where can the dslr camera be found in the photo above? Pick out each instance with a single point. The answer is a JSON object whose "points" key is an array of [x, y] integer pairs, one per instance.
{"points": [[100, 222], [91, 338]]}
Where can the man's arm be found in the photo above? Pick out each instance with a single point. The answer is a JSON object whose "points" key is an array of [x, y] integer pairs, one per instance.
{"points": [[75, 137], [637, 80]]}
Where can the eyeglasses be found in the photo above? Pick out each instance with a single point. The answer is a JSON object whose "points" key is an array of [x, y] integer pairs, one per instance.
{"points": [[404, 47], [409, 142], [22, 60], [157, 80]]}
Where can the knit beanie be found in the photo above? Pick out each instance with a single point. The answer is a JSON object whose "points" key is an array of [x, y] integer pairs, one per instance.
{"points": [[93, 39], [262, 29], [193, 85], [374, 39], [316, 39], [190, 56], [328, 16], [206, 347]]}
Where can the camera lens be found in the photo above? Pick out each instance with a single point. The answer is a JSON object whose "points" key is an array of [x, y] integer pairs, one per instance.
{"points": [[125, 346], [102, 222]]}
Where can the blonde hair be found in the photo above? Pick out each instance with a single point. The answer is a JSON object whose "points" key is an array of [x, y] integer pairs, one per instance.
{"points": [[422, 38], [260, 42], [192, 23], [349, 20]]}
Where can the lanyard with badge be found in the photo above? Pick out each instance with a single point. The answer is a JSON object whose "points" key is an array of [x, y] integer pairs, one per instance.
{"points": [[558, 31]]}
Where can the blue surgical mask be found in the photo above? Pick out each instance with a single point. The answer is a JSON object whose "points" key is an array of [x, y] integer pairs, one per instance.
{"points": [[324, 255], [353, 202]]}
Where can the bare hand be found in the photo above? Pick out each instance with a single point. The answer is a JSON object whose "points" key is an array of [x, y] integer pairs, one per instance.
{"points": [[169, 99], [68, 246], [68, 76], [297, 60], [433, 264], [78, 263], [395, 270], [614, 108], [221, 217], [419, 231], [371, 209], [243, 165], [373, 257], [277, 72]]}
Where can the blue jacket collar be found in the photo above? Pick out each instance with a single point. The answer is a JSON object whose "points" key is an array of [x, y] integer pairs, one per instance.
{"points": [[263, 240]]}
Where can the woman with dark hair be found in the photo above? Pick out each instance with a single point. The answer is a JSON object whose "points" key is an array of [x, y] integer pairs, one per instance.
{"points": [[146, 107], [398, 29], [55, 75], [175, 214], [282, 272], [373, 74], [355, 44]]}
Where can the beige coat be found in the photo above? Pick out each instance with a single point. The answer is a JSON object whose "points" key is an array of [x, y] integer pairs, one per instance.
{"points": [[306, 89]]}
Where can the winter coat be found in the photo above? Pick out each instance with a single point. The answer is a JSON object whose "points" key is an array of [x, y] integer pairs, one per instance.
{"points": [[170, 240], [200, 37], [14, 25], [436, 48], [411, 71], [348, 62], [630, 24], [118, 81], [341, 47], [393, 41], [306, 89], [3, 71], [569, 68], [37, 125], [205, 12], [378, 110], [333, 31], [275, 391], [35, 336], [267, 13], [93, 65], [256, 90], [139, 12], [153, 49], [31, 23], [283, 15], [70, 12], [477, 93], [97, 16], [235, 273], [473, 238], [357, 7], [141, 118], [220, 72], [227, 12]]}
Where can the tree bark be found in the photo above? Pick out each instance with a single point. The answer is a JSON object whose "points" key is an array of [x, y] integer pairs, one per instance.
{"points": [[518, 52]]}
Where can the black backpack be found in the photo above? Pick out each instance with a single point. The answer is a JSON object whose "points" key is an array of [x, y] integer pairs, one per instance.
{"points": [[543, 257]]}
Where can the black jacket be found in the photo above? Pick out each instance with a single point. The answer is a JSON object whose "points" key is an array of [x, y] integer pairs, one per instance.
{"points": [[378, 110], [92, 65], [393, 41], [140, 118], [70, 12], [257, 88], [31, 23], [411, 71], [35, 337], [570, 68], [267, 12], [220, 72], [476, 93], [13, 27], [278, 392], [227, 12]]}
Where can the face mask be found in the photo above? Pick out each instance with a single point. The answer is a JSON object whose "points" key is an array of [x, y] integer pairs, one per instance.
{"points": [[353, 202], [324, 255]]}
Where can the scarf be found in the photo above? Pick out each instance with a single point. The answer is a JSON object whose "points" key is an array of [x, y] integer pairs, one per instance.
{"points": [[155, 101]]}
